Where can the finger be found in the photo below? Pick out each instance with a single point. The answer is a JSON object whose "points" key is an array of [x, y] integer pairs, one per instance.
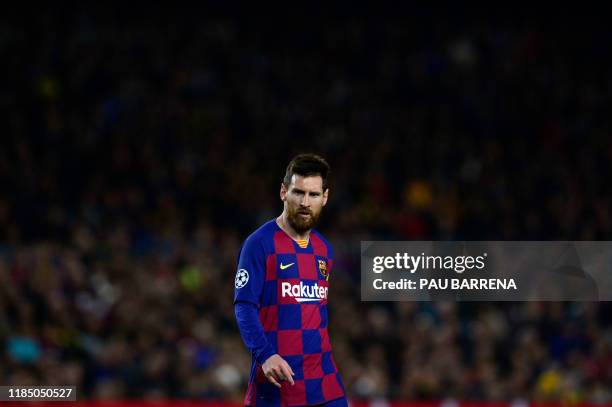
{"points": [[280, 373], [272, 380], [288, 369], [277, 373], [287, 373]]}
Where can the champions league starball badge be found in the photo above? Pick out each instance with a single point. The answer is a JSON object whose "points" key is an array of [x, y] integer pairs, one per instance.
{"points": [[242, 278]]}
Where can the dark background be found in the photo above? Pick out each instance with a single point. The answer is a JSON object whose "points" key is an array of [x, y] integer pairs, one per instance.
{"points": [[140, 147]]}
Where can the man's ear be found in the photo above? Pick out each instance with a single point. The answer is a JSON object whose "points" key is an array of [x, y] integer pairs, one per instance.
{"points": [[283, 192], [325, 195]]}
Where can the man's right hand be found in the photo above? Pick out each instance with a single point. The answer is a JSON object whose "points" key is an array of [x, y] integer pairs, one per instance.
{"points": [[277, 369]]}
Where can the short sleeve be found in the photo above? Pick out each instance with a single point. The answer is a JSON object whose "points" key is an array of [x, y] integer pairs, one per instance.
{"points": [[251, 272]]}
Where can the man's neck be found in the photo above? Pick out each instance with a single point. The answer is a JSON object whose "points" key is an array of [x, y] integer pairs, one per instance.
{"points": [[283, 223]]}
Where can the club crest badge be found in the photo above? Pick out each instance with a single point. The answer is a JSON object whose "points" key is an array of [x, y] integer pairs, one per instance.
{"points": [[323, 269]]}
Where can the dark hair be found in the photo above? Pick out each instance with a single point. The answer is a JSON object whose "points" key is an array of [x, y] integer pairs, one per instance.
{"points": [[307, 165]]}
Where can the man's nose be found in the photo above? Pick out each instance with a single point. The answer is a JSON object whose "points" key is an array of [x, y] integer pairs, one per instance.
{"points": [[305, 201]]}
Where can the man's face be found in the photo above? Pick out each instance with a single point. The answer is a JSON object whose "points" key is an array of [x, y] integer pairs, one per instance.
{"points": [[304, 198]]}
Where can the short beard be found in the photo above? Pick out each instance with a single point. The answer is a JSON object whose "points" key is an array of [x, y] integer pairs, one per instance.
{"points": [[299, 224]]}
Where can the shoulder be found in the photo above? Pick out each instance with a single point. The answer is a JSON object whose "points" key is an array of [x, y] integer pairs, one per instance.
{"points": [[319, 236], [261, 238], [319, 240]]}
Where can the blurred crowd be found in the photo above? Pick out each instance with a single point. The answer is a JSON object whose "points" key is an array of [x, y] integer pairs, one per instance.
{"points": [[139, 151]]}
